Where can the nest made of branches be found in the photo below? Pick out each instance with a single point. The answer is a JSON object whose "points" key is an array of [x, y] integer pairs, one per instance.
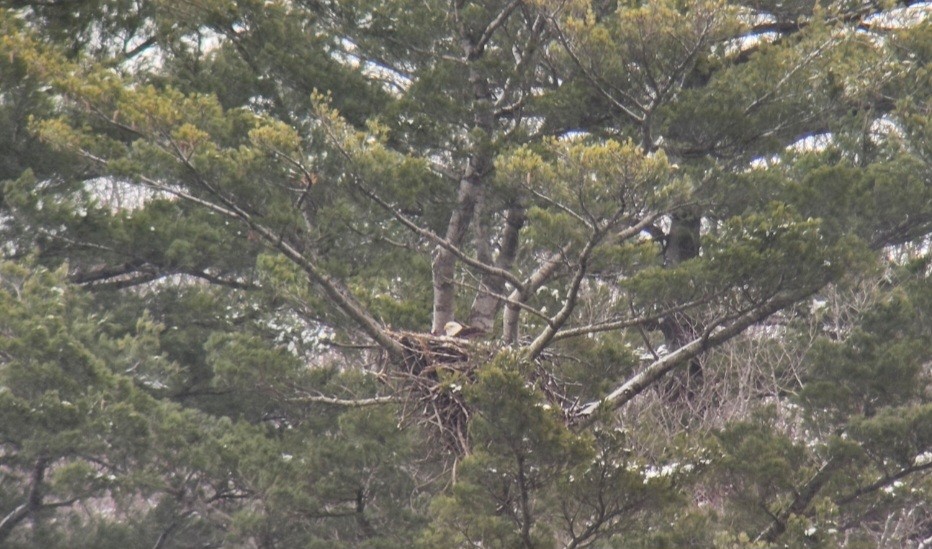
{"points": [[435, 370]]}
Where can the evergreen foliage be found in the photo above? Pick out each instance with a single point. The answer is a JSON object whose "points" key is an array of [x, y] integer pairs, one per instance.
{"points": [[689, 242]]}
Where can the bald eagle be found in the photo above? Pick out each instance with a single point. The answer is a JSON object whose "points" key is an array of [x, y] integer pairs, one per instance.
{"points": [[455, 329]]}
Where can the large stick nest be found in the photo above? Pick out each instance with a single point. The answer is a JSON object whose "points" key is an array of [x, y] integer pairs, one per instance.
{"points": [[435, 370]]}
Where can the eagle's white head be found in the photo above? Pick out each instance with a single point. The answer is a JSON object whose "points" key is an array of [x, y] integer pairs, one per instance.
{"points": [[453, 328]]}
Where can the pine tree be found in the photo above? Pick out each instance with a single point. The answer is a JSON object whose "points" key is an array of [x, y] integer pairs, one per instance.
{"points": [[688, 241]]}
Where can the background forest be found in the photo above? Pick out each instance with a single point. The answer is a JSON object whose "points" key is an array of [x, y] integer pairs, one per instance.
{"points": [[689, 242]]}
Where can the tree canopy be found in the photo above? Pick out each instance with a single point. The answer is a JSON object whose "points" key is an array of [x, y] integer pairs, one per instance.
{"points": [[687, 244]]}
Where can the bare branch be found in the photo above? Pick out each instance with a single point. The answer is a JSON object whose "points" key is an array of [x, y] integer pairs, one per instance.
{"points": [[345, 402], [803, 498], [638, 383], [563, 207], [529, 53], [494, 25], [887, 480], [537, 279], [537, 346], [482, 290], [439, 240], [334, 290], [636, 118], [626, 322], [772, 90]]}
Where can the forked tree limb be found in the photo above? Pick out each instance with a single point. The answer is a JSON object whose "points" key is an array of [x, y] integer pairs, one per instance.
{"points": [[635, 385]]}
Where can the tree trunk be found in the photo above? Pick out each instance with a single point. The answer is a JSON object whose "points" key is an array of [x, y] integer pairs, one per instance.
{"points": [[683, 238], [33, 500], [682, 243], [488, 300], [444, 264], [469, 194]]}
